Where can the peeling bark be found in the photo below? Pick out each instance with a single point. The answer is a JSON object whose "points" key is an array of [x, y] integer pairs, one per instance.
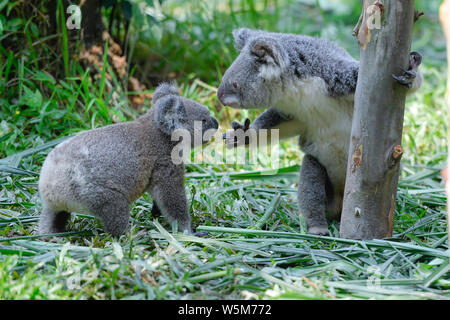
{"points": [[375, 144]]}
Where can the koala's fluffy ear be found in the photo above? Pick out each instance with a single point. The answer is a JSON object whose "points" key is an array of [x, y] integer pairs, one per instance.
{"points": [[271, 54], [164, 89], [170, 113], [241, 36]]}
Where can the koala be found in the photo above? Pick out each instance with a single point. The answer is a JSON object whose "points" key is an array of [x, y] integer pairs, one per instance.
{"points": [[102, 171], [307, 86]]}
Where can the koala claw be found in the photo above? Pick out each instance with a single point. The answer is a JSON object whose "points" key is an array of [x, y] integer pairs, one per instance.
{"points": [[407, 78], [231, 139], [319, 231], [200, 234], [235, 125], [410, 73]]}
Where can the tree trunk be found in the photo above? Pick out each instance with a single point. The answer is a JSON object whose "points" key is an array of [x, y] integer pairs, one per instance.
{"points": [[444, 14], [91, 19], [375, 143], [91, 23]]}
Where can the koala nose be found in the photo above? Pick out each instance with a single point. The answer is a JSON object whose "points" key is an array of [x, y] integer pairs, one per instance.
{"points": [[220, 93]]}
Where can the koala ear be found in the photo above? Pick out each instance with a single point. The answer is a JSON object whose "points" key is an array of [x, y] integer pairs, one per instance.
{"points": [[170, 114], [164, 89], [240, 37], [271, 54]]}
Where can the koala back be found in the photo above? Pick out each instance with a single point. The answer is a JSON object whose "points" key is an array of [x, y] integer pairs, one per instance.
{"points": [[118, 157]]}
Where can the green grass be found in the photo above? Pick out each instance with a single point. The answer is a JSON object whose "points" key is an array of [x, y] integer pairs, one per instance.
{"points": [[257, 245]]}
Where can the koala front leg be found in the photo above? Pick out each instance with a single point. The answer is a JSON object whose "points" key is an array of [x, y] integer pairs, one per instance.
{"points": [[269, 119], [312, 196], [167, 190]]}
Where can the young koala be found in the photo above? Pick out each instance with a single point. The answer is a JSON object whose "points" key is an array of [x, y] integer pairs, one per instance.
{"points": [[102, 171], [308, 86]]}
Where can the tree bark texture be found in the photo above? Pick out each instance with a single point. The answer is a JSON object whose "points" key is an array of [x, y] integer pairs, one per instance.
{"points": [[444, 15], [375, 143]]}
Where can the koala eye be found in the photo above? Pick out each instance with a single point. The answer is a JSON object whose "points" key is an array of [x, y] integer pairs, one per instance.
{"points": [[234, 84]]}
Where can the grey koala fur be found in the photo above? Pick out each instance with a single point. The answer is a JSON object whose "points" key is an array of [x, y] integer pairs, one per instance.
{"points": [[102, 171], [308, 86]]}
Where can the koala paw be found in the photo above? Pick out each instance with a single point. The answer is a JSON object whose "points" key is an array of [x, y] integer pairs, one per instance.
{"points": [[200, 234], [235, 139], [408, 76], [319, 231], [406, 79]]}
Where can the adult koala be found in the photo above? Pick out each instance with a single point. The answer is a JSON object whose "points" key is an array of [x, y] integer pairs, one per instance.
{"points": [[308, 86], [102, 171]]}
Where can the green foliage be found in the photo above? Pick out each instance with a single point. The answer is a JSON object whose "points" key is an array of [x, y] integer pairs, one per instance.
{"points": [[257, 245]]}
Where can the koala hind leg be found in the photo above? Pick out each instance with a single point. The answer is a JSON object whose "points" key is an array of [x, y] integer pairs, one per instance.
{"points": [[52, 221], [114, 214], [312, 195]]}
